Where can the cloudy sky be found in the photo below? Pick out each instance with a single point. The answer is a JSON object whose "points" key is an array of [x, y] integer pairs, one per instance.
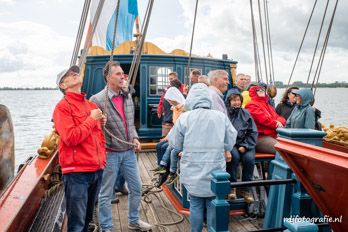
{"points": [[37, 36]]}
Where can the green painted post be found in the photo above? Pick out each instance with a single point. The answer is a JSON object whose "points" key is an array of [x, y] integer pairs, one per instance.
{"points": [[281, 199], [220, 185], [300, 226]]}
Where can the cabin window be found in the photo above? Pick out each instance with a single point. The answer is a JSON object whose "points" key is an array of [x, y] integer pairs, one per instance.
{"points": [[187, 74], [158, 79]]}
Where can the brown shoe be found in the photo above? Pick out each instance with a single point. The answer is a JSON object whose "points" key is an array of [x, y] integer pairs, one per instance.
{"points": [[248, 196], [232, 195]]}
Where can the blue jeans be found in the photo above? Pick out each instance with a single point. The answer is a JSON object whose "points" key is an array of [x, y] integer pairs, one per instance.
{"points": [[81, 191], [170, 157], [126, 162], [120, 181], [166, 156], [197, 206], [161, 148], [248, 163]]}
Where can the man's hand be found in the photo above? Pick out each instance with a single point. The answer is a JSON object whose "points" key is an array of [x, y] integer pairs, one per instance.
{"points": [[279, 124], [159, 115], [228, 156], [137, 148], [180, 154], [164, 139], [242, 150], [96, 114], [103, 120]]}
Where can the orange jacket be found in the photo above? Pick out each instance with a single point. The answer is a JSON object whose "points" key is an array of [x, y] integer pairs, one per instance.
{"points": [[82, 144]]}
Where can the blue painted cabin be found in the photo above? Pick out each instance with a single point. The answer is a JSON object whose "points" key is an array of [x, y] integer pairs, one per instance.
{"points": [[151, 81]]}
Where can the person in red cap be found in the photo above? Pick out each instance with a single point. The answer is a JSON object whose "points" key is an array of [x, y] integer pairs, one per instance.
{"points": [[81, 148], [266, 119]]}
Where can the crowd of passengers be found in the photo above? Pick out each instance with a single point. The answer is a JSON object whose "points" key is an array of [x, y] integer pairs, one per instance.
{"points": [[212, 128], [206, 126]]}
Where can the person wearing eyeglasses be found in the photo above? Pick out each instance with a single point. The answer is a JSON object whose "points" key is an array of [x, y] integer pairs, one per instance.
{"points": [[81, 148], [266, 119]]}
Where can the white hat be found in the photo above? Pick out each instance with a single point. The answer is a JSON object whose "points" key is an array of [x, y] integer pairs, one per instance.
{"points": [[173, 94], [63, 73]]}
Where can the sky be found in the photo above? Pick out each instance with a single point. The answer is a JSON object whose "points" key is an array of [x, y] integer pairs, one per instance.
{"points": [[37, 36]]}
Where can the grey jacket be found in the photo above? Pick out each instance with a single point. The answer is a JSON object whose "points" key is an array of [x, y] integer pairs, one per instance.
{"points": [[114, 121], [217, 99]]}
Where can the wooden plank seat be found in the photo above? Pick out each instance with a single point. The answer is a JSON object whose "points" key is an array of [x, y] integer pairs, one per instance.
{"points": [[261, 157]]}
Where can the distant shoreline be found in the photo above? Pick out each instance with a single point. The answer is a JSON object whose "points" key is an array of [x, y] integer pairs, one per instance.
{"points": [[279, 87], [278, 84], [37, 88]]}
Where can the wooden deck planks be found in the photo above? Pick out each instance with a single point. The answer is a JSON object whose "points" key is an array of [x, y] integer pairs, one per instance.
{"points": [[155, 213]]}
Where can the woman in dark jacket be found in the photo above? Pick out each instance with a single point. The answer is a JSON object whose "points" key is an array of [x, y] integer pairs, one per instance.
{"points": [[244, 149], [287, 104]]}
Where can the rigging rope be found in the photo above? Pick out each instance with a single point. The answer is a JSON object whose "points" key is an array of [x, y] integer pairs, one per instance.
{"points": [[80, 31], [316, 45], [193, 32], [269, 43], [263, 43], [323, 51], [139, 49], [303, 38], [114, 35], [90, 35], [258, 72]]}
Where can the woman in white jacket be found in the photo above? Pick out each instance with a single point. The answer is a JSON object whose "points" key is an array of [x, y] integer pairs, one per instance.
{"points": [[203, 135]]}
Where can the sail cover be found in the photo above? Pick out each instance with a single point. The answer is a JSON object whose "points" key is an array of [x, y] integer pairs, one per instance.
{"points": [[105, 29]]}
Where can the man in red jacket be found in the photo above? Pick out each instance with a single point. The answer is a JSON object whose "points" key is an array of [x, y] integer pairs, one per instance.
{"points": [[81, 148]]}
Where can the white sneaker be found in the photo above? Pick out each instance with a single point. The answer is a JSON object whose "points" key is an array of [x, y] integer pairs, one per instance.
{"points": [[140, 225]]}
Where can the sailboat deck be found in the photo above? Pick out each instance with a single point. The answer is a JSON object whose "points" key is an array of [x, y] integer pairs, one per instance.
{"points": [[154, 212]]}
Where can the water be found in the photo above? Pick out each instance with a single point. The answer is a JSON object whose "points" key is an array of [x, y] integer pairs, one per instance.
{"points": [[32, 110]]}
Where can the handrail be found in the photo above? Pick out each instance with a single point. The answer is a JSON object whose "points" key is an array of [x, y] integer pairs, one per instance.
{"points": [[262, 183]]}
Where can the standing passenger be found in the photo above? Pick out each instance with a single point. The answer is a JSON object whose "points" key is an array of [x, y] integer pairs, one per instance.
{"points": [[120, 155], [81, 149], [203, 146], [194, 75]]}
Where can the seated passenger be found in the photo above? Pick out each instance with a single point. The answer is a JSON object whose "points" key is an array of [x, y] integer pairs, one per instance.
{"points": [[303, 115], [203, 135], [244, 149], [266, 119], [177, 101], [287, 103], [246, 96]]}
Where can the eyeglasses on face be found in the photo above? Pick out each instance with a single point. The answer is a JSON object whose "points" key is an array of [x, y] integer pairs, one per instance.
{"points": [[73, 74], [260, 90]]}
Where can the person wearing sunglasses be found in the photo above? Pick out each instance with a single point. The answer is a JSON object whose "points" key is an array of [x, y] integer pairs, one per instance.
{"points": [[266, 119]]}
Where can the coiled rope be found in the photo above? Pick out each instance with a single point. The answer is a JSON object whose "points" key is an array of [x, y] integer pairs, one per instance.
{"points": [[153, 190]]}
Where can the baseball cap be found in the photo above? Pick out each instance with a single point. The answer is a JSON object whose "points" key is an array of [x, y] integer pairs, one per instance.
{"points": [[62, 74]]}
